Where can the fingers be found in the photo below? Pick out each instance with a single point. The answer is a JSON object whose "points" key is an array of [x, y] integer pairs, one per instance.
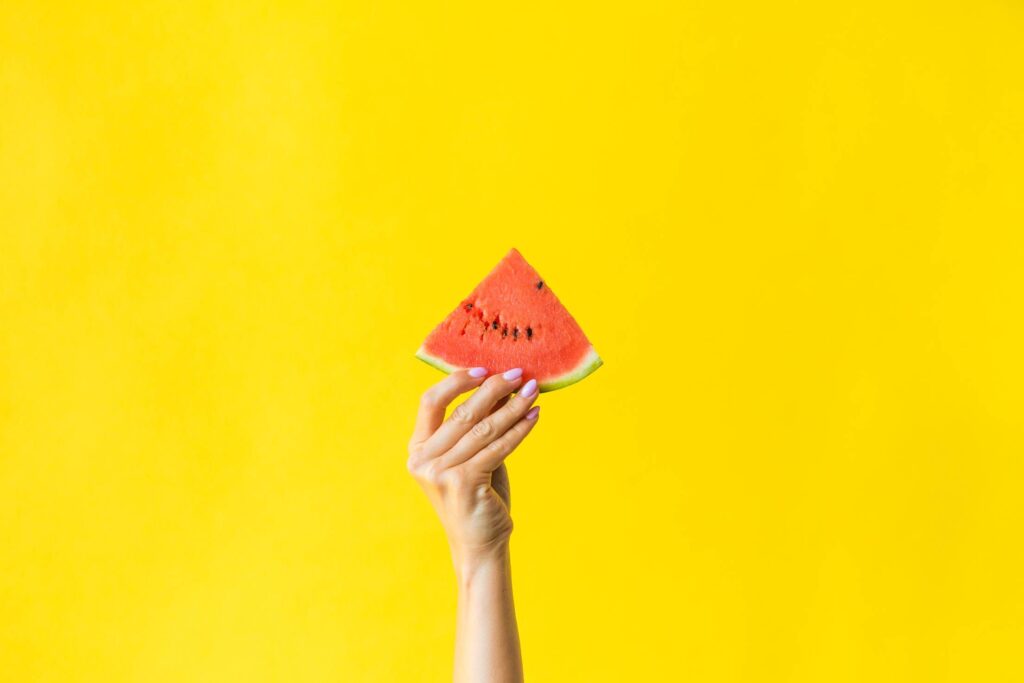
{"points": [[499, 405], [493, 454], [471, 411], [436, 399], [492, 427]]}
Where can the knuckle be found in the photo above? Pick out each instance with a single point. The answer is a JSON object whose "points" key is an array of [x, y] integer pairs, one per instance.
{"points": [[453, 478], [430, 473], [483, 429], [498, 448], [463, 414], [417, 468], [429, 399]]}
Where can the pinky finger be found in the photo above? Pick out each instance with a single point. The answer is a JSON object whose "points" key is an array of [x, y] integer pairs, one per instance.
{"points": [[491, 456]]}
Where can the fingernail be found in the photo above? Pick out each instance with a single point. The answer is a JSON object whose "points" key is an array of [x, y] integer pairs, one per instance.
{"points": [[477, 372], [534, 412], [514, 373], [529, 389]]}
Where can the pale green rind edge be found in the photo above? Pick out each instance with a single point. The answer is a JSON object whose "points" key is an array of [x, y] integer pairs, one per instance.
{"points": [[590, 362], [434, 361]]}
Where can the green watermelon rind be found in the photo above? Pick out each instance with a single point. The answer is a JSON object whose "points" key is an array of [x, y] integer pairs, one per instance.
{"points": [[591, 361], [434, 361]]}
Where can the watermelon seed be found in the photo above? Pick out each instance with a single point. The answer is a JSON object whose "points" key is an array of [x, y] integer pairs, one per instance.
{"points": [[469, 307], [515, 333], [529, 333], [494, 325], [540, 283], [504, 332]]}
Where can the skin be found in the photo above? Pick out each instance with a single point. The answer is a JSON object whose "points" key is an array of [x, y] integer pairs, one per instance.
{"points": [[460, 464]]}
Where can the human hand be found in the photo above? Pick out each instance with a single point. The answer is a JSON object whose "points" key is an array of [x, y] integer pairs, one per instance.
{"points": [[459, 462]]}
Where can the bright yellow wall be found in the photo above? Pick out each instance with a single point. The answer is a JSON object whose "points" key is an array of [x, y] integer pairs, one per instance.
{"points": [[793, 230]]}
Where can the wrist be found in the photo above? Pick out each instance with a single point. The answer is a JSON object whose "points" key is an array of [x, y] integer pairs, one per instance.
{"points": [[471, 564]]}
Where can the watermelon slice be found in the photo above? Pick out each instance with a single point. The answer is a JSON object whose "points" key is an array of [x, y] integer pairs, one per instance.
{"points": [[513, 320]]}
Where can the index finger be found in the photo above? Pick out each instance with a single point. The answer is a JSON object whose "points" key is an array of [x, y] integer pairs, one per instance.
{"points": [[436, 399]]}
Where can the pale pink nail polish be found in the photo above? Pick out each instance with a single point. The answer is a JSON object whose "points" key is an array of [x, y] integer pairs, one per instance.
{"points": [[529, 389], [534, 412], [477, 373], [514, 373]]}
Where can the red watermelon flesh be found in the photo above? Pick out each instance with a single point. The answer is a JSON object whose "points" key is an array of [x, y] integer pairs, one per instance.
{"points": [[513, 320]]}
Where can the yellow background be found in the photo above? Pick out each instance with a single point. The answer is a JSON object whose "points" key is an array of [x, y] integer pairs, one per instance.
{"points": [[792, 230]]}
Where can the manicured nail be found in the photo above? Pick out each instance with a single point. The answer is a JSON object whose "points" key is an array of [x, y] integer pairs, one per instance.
{"points": [[477, 373], [514, 373], [534, 412], [529, 389]]}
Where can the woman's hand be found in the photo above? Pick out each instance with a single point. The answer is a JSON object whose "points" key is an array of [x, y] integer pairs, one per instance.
{"points": [[459, 462]]}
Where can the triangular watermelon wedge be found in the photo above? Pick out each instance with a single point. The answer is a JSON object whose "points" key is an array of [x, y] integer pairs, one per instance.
{"points": [[513, 320]]}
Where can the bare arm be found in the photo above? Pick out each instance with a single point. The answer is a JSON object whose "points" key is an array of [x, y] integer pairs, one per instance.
{"points": [[459, 462], [487, 639]]}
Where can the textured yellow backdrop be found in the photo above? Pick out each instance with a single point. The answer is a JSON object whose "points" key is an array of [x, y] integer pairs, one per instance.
{"points": [[793, 231]]}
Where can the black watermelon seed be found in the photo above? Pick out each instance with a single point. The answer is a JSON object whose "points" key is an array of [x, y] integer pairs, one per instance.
{"points": [[494, 325], [529, 333], [504, 331], [540, 283], [469, 307], [515, 333]]}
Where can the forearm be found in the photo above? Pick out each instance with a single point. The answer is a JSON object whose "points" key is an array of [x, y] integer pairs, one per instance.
{"points": [[487, 638]]}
